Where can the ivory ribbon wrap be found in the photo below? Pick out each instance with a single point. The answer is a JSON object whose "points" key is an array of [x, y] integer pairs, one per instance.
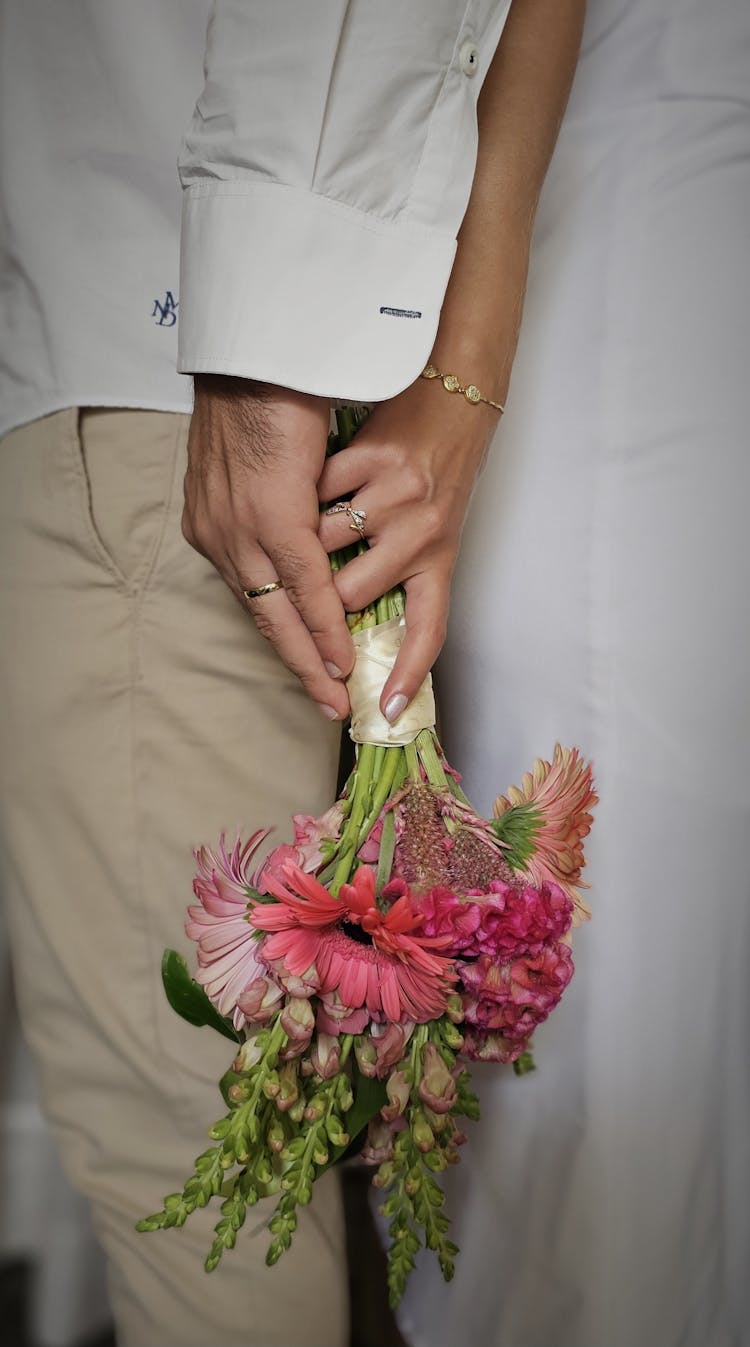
{"points": [[376, 651]]}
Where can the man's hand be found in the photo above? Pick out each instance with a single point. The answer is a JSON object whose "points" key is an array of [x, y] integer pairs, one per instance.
{"points": [[255, 454], [412, 468]]}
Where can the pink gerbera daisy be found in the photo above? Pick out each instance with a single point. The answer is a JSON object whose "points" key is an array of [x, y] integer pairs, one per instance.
{"points": [[374, 960], [227, 944]]}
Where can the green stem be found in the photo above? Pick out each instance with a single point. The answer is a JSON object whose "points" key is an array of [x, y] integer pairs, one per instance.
{"points": [[430, 760], [387, 852], [348, 846], [383, 782], [412, 762]]}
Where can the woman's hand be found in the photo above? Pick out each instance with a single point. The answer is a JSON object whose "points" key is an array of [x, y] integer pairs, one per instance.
{"points": [[412, 469]]}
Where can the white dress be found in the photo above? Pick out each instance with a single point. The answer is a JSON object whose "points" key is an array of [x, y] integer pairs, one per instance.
{"points": [[603, 598]]}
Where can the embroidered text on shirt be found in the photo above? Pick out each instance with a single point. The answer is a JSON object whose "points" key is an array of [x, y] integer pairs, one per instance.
{"points": [[400, 313], [166, 314]]}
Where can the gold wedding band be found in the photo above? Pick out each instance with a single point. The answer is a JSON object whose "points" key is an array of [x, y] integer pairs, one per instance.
{"points": [[260, 590]]}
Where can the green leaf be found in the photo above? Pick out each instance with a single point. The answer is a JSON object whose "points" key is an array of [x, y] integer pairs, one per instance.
{"points": [[190, 1000]]}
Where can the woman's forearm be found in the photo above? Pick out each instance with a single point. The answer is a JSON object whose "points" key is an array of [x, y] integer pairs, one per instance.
{"points": [[520, 109]]}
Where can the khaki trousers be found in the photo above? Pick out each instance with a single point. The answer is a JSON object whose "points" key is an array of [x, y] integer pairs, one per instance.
{"points": [[141, 714]]}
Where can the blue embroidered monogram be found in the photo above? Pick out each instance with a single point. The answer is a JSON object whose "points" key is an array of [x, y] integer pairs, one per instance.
{"points": [[165, 314], [400, 313]]}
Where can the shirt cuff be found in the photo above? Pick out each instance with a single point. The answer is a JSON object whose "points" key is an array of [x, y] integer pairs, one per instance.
{"points": [[292, 288]]}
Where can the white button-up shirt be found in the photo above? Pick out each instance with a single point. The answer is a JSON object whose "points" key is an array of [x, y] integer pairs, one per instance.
{"points": [[326, 170]]}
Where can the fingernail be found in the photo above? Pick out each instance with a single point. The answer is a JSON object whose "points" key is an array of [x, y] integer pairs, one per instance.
{"points": [[329, 712], [333, 669], [394, 706]]}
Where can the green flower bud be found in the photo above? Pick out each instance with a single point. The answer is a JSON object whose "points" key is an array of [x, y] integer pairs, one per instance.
{"points": [[455, 1012], [294, 1149], [424, 1137], [336, 1134], [288, 1093], [435, 1160], [272, 1085], [385, 1175], [316, 1108], [276, 1136]]}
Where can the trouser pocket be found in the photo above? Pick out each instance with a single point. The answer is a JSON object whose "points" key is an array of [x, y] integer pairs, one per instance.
{"points": [[124, 473]]}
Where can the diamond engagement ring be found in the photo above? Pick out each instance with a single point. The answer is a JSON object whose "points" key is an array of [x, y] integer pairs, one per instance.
{"points": [[357, 518]]}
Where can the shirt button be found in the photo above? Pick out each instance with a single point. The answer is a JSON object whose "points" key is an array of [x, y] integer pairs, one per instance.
{"points": [[468, 59]]}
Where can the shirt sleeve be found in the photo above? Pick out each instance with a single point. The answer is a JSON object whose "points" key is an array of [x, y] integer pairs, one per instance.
{"points": [[326, 172]]}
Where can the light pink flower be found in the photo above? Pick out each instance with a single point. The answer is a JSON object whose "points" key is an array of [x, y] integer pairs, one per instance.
{"points": [[326, 1055], [227, 944], [260, 1000], [307, 851], [437, 1088], [389, 1041], [310, 833], [378, 1145], [398, 1089], [274, 863], [297, 1019]]}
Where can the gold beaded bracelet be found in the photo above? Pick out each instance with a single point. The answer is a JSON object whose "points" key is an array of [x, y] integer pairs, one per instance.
{"points": [[452, 384]]}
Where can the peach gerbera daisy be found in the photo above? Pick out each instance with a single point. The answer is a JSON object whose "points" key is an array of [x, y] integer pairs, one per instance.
{"points": [[550, 816], [374, 960]]}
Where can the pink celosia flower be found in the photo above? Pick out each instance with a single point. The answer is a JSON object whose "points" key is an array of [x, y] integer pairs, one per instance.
{"points": [[444, 914], [507, 921], [512, 998], [463, 857], [556, 799], [372, 959], [512, 919], [227, 945]]}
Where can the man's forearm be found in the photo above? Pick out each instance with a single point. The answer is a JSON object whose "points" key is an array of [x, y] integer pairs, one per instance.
{"points": [[520, 110]]}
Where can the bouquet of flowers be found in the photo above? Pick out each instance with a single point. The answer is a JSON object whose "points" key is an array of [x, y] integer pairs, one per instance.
{"points": [[361, 968]]}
